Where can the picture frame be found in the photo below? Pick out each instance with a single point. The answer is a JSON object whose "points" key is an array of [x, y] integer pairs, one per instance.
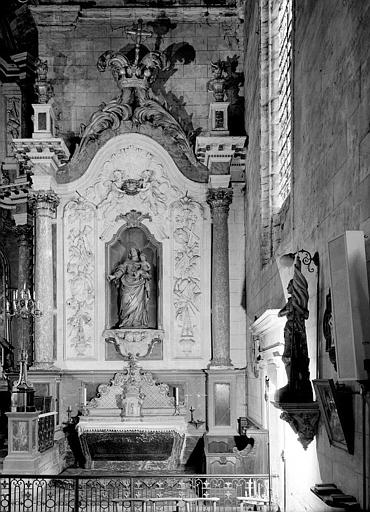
{"points": [[336, 420]]}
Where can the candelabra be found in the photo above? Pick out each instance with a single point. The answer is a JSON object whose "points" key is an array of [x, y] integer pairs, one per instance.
{"points": [[69, 416], [177, 411], [23, 306], [196, 423]]}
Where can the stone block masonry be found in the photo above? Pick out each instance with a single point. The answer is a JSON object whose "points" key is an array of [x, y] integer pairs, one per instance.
{"points": [[80, 88], [330, 194]]}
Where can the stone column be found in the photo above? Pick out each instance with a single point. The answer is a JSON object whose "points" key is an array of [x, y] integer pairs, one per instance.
{"points": [[45, 203], [23, 233], [219, 200]]}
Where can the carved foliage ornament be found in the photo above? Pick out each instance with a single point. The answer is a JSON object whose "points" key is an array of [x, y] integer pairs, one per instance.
{"points": [[133, 218], [304, 424], [109, 191], [255, 351], [43, 88], [156, 394], [139, 342], [44, 201], [187, 270], [219, 200], [13, 121], [79, 272], [226, 80]]}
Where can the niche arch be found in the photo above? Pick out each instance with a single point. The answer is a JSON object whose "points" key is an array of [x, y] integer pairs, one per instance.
{"points": [[137, 235]]}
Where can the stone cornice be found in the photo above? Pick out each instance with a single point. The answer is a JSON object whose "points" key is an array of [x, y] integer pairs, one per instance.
{"points": [[14, 190], [228, 149], [18, 67], [79, 163], [67, 14], [268, 322], [29, 151]]}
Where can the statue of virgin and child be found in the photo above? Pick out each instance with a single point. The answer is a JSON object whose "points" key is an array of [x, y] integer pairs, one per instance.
{"points": [[132, 278]]}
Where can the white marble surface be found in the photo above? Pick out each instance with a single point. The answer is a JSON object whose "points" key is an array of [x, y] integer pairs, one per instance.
{"points": [[91, 212]]}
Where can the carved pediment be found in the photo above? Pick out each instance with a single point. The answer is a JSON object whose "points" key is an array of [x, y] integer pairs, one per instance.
{"points": [[133, 381]]}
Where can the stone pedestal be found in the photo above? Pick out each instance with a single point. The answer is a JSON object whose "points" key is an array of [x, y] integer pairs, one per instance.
{"points": [[219, 200], [23, 456], [224, 389], [302, 418], [45, 203]]}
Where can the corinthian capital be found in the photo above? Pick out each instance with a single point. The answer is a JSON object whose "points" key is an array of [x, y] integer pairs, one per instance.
{"points": [[219, 199], [44, 200], [23, 232]]}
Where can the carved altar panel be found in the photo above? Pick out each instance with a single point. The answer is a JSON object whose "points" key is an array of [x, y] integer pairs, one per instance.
{"points": [[79, 278], [187, 217], [13, 121], [133, 194], [131, 179]]}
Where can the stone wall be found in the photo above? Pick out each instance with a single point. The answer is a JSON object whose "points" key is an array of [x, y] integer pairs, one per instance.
{"points": [[331, 187], [72, 39]]}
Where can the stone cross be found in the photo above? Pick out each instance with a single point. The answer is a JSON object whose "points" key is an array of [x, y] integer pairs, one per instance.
{"points": [[139, 33]]}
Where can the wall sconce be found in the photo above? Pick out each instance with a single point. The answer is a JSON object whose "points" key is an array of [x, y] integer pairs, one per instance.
{"points": [[307, 259]]}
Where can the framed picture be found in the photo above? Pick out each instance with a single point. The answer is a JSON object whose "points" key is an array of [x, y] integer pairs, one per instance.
{"points": [[337, 423]]}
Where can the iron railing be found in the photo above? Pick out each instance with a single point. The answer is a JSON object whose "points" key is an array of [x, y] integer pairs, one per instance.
{"points": [[97, 492]]}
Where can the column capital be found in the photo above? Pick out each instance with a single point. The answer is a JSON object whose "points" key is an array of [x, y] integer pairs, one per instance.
{"points": [[23, 232], [219, 199], [44, 201]]}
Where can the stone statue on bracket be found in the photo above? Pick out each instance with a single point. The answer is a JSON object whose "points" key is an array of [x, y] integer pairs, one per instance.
{"points": [[295, 356], [133, 278]]}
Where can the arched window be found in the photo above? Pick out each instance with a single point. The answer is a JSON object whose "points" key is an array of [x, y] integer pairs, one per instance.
{"points": [[276, 118]]}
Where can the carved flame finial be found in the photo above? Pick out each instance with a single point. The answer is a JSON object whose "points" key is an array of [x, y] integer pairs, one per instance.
{"points": [[43, 88]]}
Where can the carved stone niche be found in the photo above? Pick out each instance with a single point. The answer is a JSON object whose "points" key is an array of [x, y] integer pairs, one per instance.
{"points": [[303, 419], [133, 299]]}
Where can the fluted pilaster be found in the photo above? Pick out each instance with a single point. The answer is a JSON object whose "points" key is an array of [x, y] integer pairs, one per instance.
{"points": [[219, 200], [44, 203]]}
